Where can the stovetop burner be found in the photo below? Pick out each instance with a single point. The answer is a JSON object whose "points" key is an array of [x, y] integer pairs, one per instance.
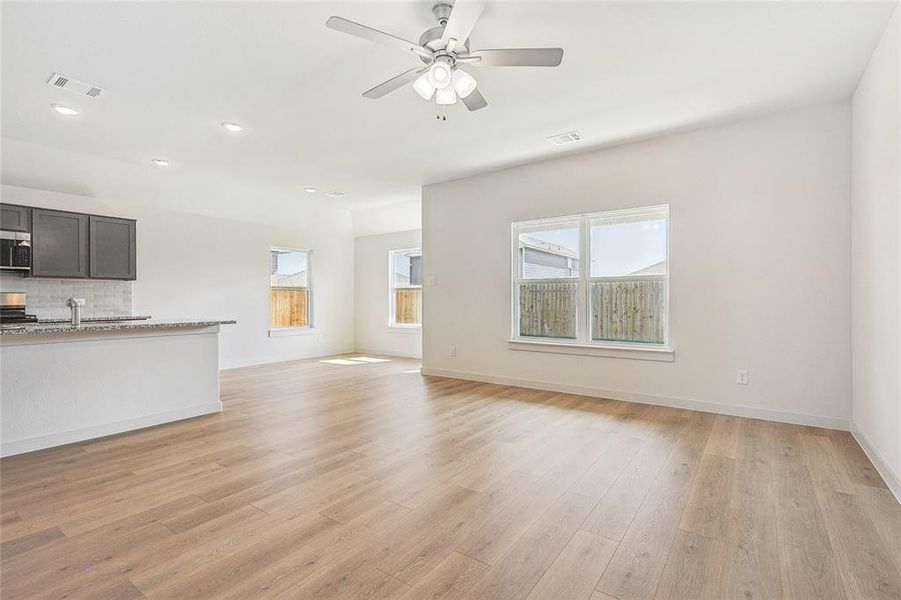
{"points": [[9, 316]]}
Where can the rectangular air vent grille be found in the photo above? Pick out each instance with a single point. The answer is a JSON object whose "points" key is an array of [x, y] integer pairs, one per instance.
{"points": [[58, 80], [566, 138], [334, 194]]}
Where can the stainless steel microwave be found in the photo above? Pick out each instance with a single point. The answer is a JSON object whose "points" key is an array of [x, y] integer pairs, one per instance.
{"points": [[15, 250]]}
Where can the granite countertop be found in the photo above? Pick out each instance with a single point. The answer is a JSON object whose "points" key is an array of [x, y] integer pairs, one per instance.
{"points": [[48, 328], [96, 319]]}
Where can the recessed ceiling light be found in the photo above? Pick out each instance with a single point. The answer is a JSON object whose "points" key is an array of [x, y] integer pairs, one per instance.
{"points": [[233, 127], [160, 162], [65, 110], [310, 190]]}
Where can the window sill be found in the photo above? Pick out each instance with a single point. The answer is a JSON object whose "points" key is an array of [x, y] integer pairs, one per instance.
{"points": [[286, 331], [635, 352], [405, 328]]}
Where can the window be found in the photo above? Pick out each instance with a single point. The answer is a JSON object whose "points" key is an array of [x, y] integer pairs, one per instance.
{"points": [[548, 256], [405, 298], [620, 297], [290, 302]]}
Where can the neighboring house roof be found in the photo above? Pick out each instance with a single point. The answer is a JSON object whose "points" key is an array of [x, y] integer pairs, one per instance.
{"points": [[298, 279], [658, 268], [527, 241]]}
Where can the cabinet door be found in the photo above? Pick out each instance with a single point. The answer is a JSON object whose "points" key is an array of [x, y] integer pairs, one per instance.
{"points": [[113, 253], [15, 218], [59, 244]]}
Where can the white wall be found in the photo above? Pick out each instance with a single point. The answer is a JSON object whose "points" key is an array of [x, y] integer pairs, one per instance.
{"points": [[876, 257], [760, 267], [389, 218], [371, 291], [192, 265]]}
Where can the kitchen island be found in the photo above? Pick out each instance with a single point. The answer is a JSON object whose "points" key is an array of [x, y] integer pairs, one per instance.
{"points": [[61, 383]]}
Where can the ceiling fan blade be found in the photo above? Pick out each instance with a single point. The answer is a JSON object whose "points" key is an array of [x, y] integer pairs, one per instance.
{"points": [[462, 19], [475, 100], [394, 83], [517, 57], [374, 35]]}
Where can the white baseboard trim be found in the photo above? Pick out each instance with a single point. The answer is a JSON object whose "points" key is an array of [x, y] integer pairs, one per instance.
{"points": [[396, 353], [892, 479], [253, 362], [87, 433], [736, 410]]}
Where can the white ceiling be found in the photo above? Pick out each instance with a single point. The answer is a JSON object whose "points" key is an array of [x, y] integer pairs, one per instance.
{"points": [[175, 70]]}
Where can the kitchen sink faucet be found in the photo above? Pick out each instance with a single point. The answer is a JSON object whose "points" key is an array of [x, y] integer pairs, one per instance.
{"points": [[75, 306]]}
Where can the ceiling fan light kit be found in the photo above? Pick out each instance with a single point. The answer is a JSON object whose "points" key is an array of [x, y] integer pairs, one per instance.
{"points": [[464, 83], [443, 49], [440, 73], [446, 96], [423, 87]]}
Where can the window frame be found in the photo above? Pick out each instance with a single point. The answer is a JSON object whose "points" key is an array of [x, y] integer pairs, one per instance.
{"points": [[392, 290], [583, 343], [295, 330]]}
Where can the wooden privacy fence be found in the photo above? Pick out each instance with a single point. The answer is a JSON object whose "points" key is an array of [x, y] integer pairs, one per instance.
{"points": [[629, 311], [288, 307], [621, 310], [408, 306], [548, 309]]}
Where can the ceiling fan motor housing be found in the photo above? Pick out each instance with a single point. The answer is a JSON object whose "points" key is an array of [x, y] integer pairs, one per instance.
{"points": [[431, 39]]}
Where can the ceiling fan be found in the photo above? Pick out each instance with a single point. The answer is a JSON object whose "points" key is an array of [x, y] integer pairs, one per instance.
{"points": [[444, 50]]}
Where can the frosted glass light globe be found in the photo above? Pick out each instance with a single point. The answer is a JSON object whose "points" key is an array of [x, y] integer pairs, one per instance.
{"points": [[423, 87], [446, 96], [464, 83], [440, 75]]}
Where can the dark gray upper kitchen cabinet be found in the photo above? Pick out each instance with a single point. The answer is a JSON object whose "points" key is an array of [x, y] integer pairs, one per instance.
{"points": [[59, 244], [113, 254], [15, 218]]}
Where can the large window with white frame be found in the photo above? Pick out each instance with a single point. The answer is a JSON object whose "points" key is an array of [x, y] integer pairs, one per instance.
{"points": [[405, 285], [597, 279], [290, 287]]}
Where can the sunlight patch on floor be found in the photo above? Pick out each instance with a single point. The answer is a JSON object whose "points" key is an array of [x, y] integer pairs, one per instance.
{"points": [[356, 360]]}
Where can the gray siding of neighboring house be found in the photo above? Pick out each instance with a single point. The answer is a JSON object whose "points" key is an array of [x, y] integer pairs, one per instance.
{"points": [[416, 270], [545, 265]]}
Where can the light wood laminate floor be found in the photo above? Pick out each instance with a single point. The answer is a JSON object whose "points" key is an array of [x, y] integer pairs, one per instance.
{"points": [[370, 481]]}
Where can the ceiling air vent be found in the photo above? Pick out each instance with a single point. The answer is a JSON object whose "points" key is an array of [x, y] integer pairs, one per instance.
{"points": [[334, 194], [566, 138], [58, 80]]}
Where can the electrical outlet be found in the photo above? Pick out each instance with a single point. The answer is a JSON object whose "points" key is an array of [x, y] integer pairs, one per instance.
{"points": [[742, 377], [452, 351]]}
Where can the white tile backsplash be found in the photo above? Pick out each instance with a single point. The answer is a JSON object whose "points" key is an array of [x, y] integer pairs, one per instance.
{"points": [[46, 298]]}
